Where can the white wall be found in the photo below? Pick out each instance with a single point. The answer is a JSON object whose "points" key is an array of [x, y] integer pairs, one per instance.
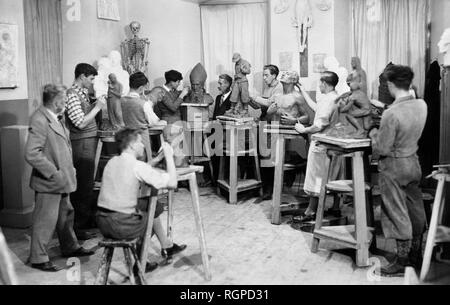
{"points": [[90, 38], [174, 30], [11, 11], [321, 38]]}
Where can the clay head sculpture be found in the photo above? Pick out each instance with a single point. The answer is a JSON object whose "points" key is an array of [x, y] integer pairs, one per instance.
{"points": [[289, 77], [198, 77], [236, 57]]}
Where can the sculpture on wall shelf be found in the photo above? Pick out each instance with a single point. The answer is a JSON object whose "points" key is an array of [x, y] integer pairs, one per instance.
{"points": [[240, 96], [444, 46], [352, 118], [302, 21], [135, 51]]}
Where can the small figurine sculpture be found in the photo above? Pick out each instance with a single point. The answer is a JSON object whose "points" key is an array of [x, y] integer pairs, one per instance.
{"points": [[113, 82], [113, 103], [352, 118], [240, 96], [291, 103], [197, 94], [358, 74], [135, 51], [444, 46]]}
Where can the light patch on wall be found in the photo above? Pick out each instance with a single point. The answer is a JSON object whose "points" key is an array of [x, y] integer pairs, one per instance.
{"points": [[108, 9], [74, 11]]}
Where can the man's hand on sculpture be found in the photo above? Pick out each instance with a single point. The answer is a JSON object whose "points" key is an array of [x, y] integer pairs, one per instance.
{"points": [[300, 128], [287, 119], [184, 92]]}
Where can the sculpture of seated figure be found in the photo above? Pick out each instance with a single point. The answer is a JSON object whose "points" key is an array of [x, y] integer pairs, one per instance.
{"points": [[291, 103], [352, 118]]}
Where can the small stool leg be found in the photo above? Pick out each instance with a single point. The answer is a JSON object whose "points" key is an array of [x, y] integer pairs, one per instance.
{"points": [[105, 264], [254, 149], [359, 196], [199, 224], [209, 155], [278, 180], [221, 172], [148, 231], [170, 216], [126, 254], [321, 205], [140, 268]]}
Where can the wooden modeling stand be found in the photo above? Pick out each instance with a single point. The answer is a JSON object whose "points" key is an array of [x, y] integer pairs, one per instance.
{"points": [[103, 137], [183, 174], [356, 236], [281, 134], [442, 175], [232, 128]]}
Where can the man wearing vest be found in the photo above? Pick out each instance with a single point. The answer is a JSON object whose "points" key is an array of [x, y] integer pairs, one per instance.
{"points": [[81, 113]]}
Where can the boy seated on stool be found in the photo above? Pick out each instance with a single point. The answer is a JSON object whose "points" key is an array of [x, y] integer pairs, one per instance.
{"points": [[119, 215]]}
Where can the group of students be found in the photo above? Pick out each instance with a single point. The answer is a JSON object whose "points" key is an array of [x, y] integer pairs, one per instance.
{"points": [[61, 149], [63, 160]]}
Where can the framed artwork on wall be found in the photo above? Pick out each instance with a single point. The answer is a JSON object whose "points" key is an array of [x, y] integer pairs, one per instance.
{"points": [[9, 55], [108, 9], [318, 62]]}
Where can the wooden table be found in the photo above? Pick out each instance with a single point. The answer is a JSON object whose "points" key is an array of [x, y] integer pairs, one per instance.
{"points": [[183, 174], [357, 236], [281, 134], [234, 186]]}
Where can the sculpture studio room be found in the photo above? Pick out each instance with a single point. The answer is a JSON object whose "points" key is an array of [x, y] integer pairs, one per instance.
{"points": [[224, 142]]}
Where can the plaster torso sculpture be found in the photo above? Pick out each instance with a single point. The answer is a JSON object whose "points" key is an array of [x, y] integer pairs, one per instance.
{"points": [[291, 103], [240, 96], [358, 74], [352, 119], [444, 46], [197, 94], [135, 51], [302, 21]]}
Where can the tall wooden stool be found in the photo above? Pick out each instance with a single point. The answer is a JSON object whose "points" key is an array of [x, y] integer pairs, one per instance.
{"points": [[442, 175], [233, 185], [129, 251], [281, 134], [356, 236], [183, 174]]}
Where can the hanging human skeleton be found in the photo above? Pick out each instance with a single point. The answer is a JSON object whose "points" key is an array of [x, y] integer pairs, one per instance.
{"points": [[135, 51]]}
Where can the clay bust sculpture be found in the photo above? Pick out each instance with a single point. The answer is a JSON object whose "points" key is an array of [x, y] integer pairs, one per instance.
{"points": [[291, 103], [444, 46], [240, 96], [135, 51], [352, 119], [358, 74], [197, 94]]}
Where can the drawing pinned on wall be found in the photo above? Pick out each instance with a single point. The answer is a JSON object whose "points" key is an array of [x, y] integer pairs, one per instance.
{"points": [[108, 9], [286, 61], [319, 62], [9, 54]]}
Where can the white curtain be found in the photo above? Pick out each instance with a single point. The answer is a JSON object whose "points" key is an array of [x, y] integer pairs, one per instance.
{"points": [[227, 29], [398, 36]]}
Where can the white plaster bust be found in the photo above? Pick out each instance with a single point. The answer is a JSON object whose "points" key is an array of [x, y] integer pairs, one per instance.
{"points": [[444, 46], [116, 67], [101, 80]]}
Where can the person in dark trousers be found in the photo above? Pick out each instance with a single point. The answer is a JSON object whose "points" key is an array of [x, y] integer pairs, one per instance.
{"points": [[81, 113], [403, 214]]}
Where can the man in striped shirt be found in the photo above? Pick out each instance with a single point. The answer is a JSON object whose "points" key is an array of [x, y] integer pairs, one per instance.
{"points": [[81, 113]]}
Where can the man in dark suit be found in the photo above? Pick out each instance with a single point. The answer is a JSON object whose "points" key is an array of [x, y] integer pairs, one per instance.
{"points": [[223, 103], [49, 152]]}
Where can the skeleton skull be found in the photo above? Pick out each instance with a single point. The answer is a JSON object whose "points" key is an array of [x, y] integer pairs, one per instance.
{"points": [[135, 27]]}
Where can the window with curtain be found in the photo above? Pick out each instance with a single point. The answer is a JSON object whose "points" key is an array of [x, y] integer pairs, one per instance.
{"points": [[387, 31], [227, 29], [43, 35]]}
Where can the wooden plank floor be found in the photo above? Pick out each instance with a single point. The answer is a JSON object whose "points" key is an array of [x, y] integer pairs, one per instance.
{"points": [[243, 246]]}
